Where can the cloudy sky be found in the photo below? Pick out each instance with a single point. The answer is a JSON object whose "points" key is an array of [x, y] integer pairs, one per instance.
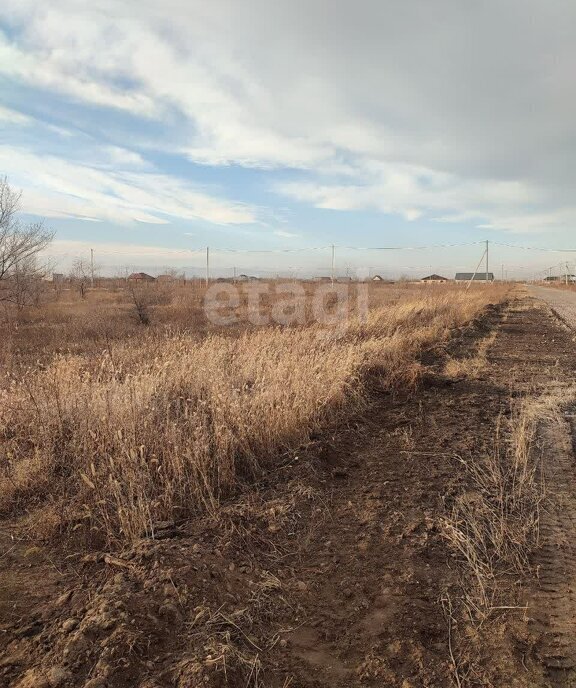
{"points": [[149, 129]]}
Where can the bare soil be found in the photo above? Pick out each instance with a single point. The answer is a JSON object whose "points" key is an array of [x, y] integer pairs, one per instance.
{"points": [[329, 573]]}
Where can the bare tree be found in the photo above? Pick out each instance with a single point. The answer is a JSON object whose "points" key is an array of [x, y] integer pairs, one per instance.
{"points": [[80, 276], [25, 286], [141, 298], [174, 273], [19, 247]]}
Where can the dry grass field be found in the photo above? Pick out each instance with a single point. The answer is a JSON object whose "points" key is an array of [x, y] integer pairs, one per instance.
{"points": [[109, 426]]}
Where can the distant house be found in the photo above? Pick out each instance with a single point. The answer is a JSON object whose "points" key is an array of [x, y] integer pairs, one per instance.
{"points": [[57, 277], [377, 278], [246, 278], [434, 278], [478, 277], [140, 277]]}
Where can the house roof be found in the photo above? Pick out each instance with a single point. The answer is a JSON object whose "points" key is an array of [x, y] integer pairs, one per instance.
{"points": [[434, 278], [479, 276], [140, 275]]}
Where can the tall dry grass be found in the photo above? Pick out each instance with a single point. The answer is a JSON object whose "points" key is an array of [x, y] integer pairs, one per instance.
{"points": [[155, 428]]}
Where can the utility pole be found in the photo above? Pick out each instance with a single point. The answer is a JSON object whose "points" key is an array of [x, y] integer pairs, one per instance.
{"points": [[486, 261], [478, 267], [207, 264], [502, 272], [332, 270], [92, 268], [567, 268]]}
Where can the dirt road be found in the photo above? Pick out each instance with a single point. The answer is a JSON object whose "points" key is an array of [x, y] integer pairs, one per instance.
{"points": [[562, 301], [554, 599]]}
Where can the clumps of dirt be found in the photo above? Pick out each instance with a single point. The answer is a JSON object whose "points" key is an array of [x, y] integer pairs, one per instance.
{"points": [[159, 599], [202, 606], [269, 593]]}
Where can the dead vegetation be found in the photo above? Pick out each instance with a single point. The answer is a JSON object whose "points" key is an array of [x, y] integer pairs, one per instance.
{"points": [[494, 529], [494, 525], [471, 366], [156, 427]]}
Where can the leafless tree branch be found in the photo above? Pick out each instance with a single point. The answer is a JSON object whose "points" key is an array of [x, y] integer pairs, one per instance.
{"points": [[19, 244]]}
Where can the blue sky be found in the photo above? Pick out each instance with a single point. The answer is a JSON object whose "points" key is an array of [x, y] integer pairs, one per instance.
{"points": [[149, 130]]}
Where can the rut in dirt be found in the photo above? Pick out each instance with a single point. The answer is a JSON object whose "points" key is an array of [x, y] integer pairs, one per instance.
{"points": [[555, 600]]}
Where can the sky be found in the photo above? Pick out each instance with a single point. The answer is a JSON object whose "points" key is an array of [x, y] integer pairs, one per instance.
{"points": [[148, 131]]}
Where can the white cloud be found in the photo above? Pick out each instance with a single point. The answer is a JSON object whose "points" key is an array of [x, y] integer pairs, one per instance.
{"points": [[411, 191], [13, 117], [61, 188], [120, 157], [284, 234], [49, 71]]}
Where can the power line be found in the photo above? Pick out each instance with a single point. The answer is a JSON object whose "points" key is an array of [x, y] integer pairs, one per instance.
{"points": [[407, 248], [139, 251], [534, 248]]}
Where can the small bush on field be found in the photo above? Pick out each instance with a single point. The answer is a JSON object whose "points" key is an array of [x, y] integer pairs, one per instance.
{"points": [[159, 427]]}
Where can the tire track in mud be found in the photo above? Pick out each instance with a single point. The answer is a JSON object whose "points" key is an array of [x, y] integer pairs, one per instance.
{"points": [[555, 598]]}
